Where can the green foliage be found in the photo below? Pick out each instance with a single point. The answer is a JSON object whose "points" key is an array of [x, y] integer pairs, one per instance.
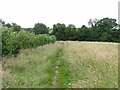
{"points": [[59, 31], [52, 38], [9, 42], [64, 33], [8, 25], [106, 23], [12, 41], [16, 27], [105, 30], [99, 30], [71, 32], [82, 33], [40, 28]]}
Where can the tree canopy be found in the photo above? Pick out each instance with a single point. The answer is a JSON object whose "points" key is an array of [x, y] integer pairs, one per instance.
{"points": [[40, 28], [105, 29]]}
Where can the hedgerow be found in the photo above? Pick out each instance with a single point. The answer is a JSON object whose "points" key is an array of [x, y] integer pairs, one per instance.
{"points": [[13, 41]]}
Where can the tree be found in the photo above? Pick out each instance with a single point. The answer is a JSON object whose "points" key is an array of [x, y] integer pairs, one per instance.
{"points": [[92, 23], [8, 25], [102, 30], [107, 23], [16, 27], [106, 28], [83, 33], [71, 32], [115, 35], [40, 28], [2, 22], [59, 30]]}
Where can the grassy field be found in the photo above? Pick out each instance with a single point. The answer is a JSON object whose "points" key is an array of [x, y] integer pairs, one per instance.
{"points": [[63, 64]]}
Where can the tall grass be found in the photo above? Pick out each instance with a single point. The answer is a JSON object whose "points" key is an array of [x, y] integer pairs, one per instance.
{"points": [[33, 68], [82, 65], [92, 65]]}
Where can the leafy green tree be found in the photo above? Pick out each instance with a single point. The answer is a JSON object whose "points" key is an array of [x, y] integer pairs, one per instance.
{"points": [[8, 25], [105, 36], [40, 28], [107, 23], [2, 22], [59, 30], [116, 35], [16, 27], [107, 28], [102, 30], [70, 32], [82, 33]]}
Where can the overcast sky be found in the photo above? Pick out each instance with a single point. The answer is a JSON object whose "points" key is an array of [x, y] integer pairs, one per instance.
{"points": [[78, 12]]}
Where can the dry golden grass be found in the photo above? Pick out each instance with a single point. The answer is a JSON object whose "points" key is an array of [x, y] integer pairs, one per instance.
{"points": [[94, 50], [97, 61]]}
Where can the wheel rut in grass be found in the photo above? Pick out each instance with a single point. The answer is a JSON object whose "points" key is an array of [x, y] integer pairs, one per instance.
{"points": [[56, 72], [61, 73]]}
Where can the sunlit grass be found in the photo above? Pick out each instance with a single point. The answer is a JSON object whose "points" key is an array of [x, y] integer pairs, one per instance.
{"points": [[92, 65], [82, 64], [31, 68]]}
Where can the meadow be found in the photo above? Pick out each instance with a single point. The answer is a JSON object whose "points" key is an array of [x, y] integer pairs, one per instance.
{"points": [[63, 64]]}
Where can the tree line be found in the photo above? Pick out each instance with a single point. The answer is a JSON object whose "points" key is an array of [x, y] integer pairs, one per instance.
{"points": [[105, 30], [14, 37]]}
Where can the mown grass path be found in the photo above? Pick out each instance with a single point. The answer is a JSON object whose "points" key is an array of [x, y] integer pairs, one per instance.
{"points": [[61, 77], [56, 72]]}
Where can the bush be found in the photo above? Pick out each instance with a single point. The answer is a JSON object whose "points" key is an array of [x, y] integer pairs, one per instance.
{"points": [[13, 41]]}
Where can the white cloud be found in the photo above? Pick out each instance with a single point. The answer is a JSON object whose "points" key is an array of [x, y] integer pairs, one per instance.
{"points": [[78, 12]]}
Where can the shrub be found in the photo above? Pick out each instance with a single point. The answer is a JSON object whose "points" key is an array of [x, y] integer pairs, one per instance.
{"points": [[13, 41]]}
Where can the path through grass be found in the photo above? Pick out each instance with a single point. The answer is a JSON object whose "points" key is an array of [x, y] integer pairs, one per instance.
{"points": [[63, 64]]}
